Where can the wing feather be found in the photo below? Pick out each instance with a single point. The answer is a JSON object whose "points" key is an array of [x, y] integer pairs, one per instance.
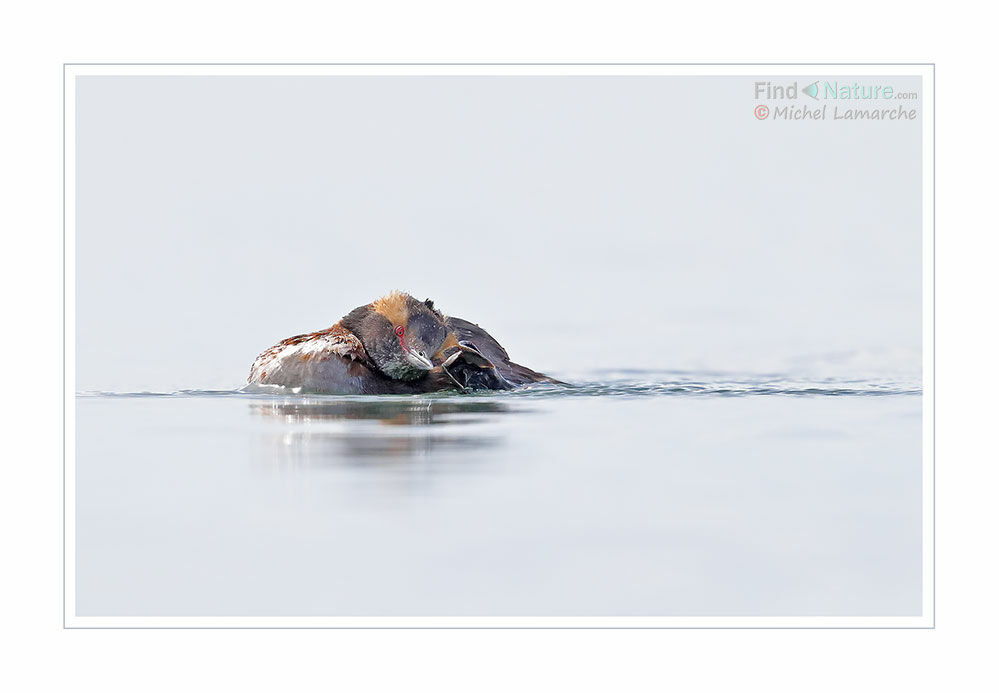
{"points": [[300, 351]]}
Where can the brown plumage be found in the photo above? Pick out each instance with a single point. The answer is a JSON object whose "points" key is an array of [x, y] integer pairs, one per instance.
{"points": [[393, 345]]}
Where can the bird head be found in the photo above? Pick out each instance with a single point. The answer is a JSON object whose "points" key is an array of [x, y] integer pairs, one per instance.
{"points": [[405, 337]]}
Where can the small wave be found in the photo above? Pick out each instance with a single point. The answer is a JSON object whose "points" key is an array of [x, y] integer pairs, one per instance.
{"points": [[170, 393], [735, 389], [618, 383]]}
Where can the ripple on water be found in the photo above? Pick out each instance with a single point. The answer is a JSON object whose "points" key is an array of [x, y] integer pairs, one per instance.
{"points": [[616, 384]]}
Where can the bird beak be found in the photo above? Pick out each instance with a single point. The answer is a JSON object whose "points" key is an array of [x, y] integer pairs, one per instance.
{"points": [[418, 360]]}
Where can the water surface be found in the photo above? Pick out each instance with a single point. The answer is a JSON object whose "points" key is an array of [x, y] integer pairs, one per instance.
{"points": [[634, 493]]}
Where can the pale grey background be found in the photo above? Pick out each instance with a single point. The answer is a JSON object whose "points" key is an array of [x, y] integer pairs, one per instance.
{"points": [[588, 222], [642, 223]]}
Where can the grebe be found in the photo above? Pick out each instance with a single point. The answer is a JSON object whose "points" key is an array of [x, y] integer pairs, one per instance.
{"points": [[393, 345]]}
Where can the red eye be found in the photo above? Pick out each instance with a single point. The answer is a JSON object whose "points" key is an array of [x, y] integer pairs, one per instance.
{"points": [[400, 331]]}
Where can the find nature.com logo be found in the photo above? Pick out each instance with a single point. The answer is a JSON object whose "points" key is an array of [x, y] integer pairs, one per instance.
{"points": [[822, 92]]}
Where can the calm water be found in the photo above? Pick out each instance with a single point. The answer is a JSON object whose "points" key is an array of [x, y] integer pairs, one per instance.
{"points": [[634, 494]]}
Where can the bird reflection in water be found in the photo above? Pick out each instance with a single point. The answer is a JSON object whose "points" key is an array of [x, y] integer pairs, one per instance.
{"points": [[382, 432]]}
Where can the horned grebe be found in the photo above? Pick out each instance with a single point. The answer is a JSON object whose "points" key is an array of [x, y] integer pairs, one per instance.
{"points": [[394, 345]]}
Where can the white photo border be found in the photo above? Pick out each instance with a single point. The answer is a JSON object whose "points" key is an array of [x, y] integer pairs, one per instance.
{"points": [[925, 70]]}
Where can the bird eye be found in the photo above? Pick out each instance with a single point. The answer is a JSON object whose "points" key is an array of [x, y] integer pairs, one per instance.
{"points": [[400, 331]]}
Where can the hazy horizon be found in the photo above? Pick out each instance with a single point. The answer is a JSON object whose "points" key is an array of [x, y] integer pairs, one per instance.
{"points": [[588, 222]]}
